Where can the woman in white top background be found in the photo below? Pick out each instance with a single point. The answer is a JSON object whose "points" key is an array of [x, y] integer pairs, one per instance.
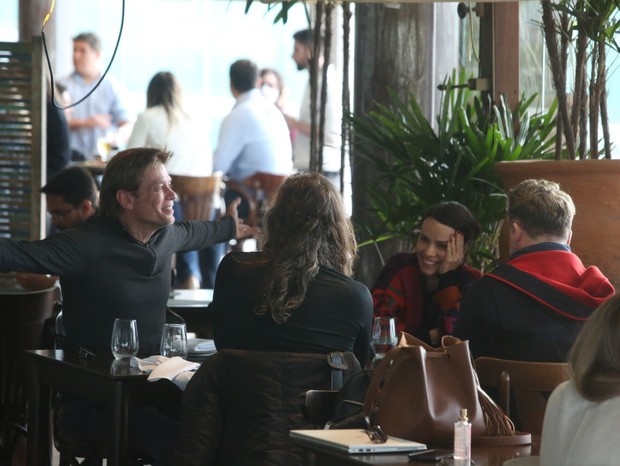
{"points": [[582, 418], [165, 124]]}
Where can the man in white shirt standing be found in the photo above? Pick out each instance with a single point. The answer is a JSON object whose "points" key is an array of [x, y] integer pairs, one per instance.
{"points": [[302, 55], [254, 136], [104, 111]]}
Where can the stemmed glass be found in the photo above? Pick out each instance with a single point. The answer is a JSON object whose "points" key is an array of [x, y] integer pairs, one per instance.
{"points": [[383, 336]]}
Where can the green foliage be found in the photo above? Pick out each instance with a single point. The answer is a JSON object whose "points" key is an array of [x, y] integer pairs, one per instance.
{"points": [[417, 166], [284, 5]]}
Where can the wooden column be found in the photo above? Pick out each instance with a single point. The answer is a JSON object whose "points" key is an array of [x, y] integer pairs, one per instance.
{"points": [[394, 50], [499, 49], [31, 16]]}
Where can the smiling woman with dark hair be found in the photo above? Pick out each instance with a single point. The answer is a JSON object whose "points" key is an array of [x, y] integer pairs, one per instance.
{"points": [[422, 289]]}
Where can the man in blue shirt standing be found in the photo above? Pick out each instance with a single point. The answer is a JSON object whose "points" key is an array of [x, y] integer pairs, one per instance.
{"points": [[104, 111], [254, 136]]}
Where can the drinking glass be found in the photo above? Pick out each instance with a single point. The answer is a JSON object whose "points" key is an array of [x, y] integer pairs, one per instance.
{"points": [[104, 147], [124, 338], [174, 341], [383, 336]]}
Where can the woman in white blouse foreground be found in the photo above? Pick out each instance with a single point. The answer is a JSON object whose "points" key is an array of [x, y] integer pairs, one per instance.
{"points": [[582, 419]]}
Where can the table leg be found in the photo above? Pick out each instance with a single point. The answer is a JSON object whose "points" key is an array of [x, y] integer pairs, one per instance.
{"points": [[39, 446], [118, 424]]}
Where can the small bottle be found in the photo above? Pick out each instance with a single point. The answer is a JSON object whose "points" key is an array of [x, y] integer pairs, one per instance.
{"points": [[462, 439]]}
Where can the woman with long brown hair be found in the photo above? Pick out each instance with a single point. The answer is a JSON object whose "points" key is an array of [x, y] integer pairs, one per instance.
{"points": [[297, 294]]}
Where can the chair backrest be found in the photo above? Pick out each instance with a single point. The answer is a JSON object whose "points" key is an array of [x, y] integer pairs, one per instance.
{"points": [[527, 383], [239, 407], [200, 196], [267, 184], [25, 319], [257, 192]]}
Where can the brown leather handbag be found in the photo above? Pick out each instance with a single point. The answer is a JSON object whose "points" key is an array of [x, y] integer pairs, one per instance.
{"points": [[417, 392]]}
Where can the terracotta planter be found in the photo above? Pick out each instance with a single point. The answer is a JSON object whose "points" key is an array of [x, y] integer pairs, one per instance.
{"points": [[594, 186]]}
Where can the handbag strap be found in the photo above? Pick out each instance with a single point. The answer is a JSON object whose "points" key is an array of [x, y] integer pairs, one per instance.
{"points": [[338, 363], [517, 438]]}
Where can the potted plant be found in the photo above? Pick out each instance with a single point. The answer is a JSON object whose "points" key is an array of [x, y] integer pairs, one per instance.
{"points": [[418, 166], [577, 35]]}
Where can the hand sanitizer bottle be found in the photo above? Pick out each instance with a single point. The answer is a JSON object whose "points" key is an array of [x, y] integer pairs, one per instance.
{"points": [[462, 439]]}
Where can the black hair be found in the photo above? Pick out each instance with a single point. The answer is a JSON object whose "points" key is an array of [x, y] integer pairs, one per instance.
{"points": [[456, 216], [74, 184], [243, 75]]}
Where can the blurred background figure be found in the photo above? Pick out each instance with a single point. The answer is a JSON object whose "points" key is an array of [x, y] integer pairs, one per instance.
{"points": [[166, 125], [303, 52], [253, 136], [273, 89], [57, 142], [103, 112]]}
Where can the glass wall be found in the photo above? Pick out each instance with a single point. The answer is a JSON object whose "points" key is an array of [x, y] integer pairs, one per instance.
{"points": [[535, 76], [9, 30], [197, 40]]}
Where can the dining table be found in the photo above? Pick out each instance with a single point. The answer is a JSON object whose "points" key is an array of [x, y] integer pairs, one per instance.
{"points": [[99, 378], [193, 307], [482, 455]]}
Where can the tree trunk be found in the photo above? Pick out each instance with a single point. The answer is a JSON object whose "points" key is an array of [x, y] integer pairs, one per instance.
{"points": [[557, 60], [393, 50]]}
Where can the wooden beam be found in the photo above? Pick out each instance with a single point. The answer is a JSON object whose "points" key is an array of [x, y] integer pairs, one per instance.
{"points": [[499, 49]]}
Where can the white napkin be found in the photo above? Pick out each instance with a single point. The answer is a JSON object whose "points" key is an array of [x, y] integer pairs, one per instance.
{"points": [[203, 345], [176, 369]]}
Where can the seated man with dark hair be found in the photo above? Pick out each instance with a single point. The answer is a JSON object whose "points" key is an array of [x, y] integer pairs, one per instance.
{"points": [[532, 307], [71, 197]]}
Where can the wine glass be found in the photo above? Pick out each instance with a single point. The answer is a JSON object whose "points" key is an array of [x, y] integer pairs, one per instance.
{"points": [[383, 336], [104, 147], [125, 342], [174, 341]]}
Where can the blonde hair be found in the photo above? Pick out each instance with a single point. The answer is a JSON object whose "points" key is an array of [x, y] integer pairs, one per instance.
{"points": [[541, 208], [594, 360]]}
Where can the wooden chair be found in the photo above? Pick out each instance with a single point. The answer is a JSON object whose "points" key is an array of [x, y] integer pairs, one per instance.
{"points": [[26, 316], [319, 406], [257, 191], [528, 384], [201, 199], [240, 405], [200, 196]]}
